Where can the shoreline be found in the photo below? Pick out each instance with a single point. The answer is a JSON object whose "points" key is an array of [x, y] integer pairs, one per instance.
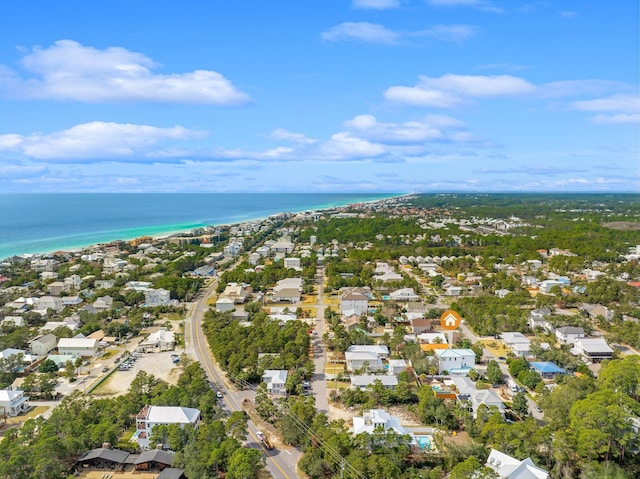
{"points": [[161, 233]]}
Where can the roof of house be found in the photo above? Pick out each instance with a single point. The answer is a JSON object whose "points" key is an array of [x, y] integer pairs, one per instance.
{"points": [[514, 337], [155, 455], [77, 343], [570, 330], [455, 353], [113, 455], [172, 415], [380, 349], [8, 395], [275, 376], [171, 473], [594, 345], [511, 468], [366, 379], [546, 367]]}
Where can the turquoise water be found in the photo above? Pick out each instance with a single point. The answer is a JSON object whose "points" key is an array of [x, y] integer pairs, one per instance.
{"points": [[424, 442], [38, 223]]}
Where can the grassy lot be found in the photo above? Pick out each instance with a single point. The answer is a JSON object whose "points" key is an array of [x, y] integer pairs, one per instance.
{"points": [[495, 347], [36, 411]]}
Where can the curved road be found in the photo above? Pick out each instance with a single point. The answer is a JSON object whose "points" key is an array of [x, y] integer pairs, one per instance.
{"points": [[281, 464]]}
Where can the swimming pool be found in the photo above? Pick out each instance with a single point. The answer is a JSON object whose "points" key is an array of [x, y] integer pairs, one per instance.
{"points": [[424, 442]]}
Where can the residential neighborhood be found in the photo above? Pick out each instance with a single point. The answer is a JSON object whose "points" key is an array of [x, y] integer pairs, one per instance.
{"points": [[337, 314]]}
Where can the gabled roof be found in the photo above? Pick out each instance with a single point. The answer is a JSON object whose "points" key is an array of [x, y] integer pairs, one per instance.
{"points": [[171, 473], [113, 455], [511, 468], [172, 415], [546, 367], [155, 455], [455, 353]]}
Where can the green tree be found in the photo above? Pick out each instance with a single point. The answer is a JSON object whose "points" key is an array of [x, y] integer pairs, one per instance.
{"points": [[494, 373], [520, 406], [48, 366]]}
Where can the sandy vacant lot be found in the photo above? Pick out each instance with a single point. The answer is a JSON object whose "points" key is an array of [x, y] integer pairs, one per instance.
{"points": [[157, 364]]}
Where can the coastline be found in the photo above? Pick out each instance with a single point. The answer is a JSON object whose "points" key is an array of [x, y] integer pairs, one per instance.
{"points": [[164, 231]]}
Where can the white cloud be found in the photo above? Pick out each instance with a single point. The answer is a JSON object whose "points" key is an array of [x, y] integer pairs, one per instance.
{"points": [[376, 4], [361, 31], [14, 172], [578, 87], [617, 119], [9, 141], [344, 145], [375, 33], [451, 90], [70, 71], [450, 33], [100, 141], [410, 132], [625, 103], [285, 135]]}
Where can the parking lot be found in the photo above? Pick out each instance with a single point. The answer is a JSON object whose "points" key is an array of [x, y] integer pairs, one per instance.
{"points": [[159, 365]]}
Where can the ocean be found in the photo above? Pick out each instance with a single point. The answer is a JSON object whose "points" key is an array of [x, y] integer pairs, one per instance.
{"points": [[40, 223]]}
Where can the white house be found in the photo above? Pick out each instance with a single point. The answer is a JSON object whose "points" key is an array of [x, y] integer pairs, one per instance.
{"points": [[103, 303], [569, 334], [375, 419], [85, 347], [161, 340], [455, 361], [388, 381], [276, 380], [467, 392], [404, 294], [508, 467], [288, 289], [592, 349], [48, 302], [157, 297], [13, 402], [517, 342], [292, 263], [352, 302], [151, 416], [43, 345], [71, 300], [225, 304], [58, 287]]}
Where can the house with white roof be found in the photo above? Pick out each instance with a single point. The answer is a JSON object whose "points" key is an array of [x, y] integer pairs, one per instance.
{"points": [[224, 304], [467, 391], [13, 402], [288, 289], [151, 416], [17, 321], [456, 362], [592, 349], [49, 302], [78, 346], [519, 344], [103, 303], [508, 467], [371, 356], [158, 297], [569, 334], [388, 381], [388, 277], [276, 380], [375, 419], [404, 294], [161, 340]]}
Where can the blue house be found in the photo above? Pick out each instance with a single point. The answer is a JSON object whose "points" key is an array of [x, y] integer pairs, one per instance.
{"points": [[546, 369]]}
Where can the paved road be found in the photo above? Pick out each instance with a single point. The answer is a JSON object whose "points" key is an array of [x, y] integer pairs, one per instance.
{"points": [[319, 385], [281, 464]]}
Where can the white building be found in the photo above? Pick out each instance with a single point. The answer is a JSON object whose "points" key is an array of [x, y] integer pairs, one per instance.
{"points": [[404, 294], [43, 345], [592, 349], [84, 347], [353, 302], [276, 380], [157, 297], [151, 416], [161, 340], [375, 419], [508, 467], [569, 334], [13, 402], [292, 263], [517, 342], [455, 361]]}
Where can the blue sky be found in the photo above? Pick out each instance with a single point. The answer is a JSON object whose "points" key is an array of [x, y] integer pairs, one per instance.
{"points": [[319, 96]]}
